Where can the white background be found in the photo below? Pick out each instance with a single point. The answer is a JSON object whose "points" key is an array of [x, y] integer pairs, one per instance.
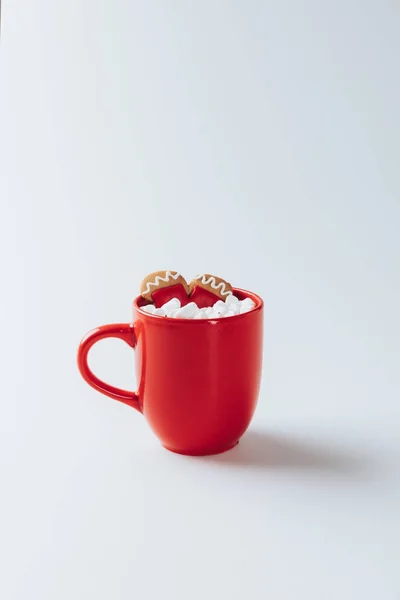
{"points": [[256, 140]]}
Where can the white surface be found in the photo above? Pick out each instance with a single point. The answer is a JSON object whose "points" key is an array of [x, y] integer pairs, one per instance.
{"points": [[231, 307], [255, 140]]}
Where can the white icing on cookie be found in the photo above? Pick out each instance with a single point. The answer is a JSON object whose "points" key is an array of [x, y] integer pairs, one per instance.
{"points": [[215, 286], [156, 282]]}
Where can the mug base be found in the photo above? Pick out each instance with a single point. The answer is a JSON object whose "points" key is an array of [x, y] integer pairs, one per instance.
{"points": [[205, 452]]}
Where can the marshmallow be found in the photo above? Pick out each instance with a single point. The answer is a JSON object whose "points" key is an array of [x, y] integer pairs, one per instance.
{"points": [[244, 309], [188, 311], [220, 311], [218, 304], [234, 308], [172, 304], [231, 299], [220, 308], [231, 307], [248, 302], [246, 305], [149, 308], [200, 315]]}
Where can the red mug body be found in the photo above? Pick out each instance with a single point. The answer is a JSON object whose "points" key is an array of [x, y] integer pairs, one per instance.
{"points": [[198, 380]]}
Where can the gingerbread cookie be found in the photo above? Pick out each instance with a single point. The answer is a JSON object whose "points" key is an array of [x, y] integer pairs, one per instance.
{"points": [[206, 289], [161, 286]]}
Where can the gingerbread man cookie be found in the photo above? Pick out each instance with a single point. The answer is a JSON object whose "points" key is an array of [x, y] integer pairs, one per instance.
{"points": [[206, 289], [159, 287]]}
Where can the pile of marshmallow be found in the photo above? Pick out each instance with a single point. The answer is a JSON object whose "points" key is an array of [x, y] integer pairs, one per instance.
{"points": [[173, 309]]}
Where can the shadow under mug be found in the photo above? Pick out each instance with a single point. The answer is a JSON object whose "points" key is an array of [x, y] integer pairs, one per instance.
{"points": [[198, 380]]}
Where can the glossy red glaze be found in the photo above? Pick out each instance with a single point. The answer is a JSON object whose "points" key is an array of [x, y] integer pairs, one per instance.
{"points": [[198, 379], [203, 297], [163, 295], [123, 331]]}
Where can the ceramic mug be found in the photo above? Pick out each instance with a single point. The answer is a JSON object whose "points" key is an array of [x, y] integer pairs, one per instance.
{"points": [[198, 380]]}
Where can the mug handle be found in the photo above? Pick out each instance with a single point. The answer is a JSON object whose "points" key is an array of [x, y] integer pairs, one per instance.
{"points": [[122, 331]]}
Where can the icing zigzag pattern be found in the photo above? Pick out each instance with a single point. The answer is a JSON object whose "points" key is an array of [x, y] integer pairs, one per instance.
{"points": [[212, 282], [168, 276]]}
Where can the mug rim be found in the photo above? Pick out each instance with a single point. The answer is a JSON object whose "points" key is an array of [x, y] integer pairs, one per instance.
{"points": [[246, 293]]}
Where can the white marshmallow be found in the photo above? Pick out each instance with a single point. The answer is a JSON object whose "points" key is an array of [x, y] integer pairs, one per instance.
{"points": [[231, 299], [231, 307], [149, 308], [188, 311], [219, 303], [199, 315], [248, 302], [220, 309], [172, 304], [246, 305], [244, 309], [234, 308]]}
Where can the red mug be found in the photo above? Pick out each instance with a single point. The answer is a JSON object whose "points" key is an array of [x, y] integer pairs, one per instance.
{"points": [[198, 379]]}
